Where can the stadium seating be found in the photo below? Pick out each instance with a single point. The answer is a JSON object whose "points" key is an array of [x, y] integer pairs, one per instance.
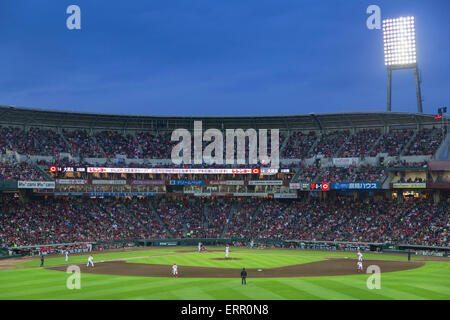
{"points": [[58, 221]]}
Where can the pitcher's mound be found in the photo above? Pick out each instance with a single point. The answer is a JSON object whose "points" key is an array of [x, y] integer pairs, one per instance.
{"points": [[226, 259]]}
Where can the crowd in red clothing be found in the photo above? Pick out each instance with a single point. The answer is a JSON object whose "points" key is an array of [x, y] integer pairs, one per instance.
{"points": [[363, 173], [298, 145], [360, 143], [59, 221], [158, 145], [20, 171], [330, 142], [425, 142]]}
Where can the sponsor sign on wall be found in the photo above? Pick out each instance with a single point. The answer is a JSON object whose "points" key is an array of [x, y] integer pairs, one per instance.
{"points": [[36, 184], [187, 182], [265, 183], [110, 194], [355, 185], [285, 195], [112, 182], [227, 182], [324, 186], [71, 181], [147, 182], [410, 185], [343, 162], [255, 194], [172, 170]]}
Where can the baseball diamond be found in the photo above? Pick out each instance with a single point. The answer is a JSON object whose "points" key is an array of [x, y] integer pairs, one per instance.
{"points": [[272, 274]]}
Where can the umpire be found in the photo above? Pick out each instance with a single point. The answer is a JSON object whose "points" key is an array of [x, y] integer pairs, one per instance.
{"points": [[243, 276], [42, 260]]}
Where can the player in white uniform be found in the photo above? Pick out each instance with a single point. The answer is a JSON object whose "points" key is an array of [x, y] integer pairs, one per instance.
{"points": [[175, 270], [227, 248], [360, 266], [199, 247], [90, 261], [360, 256], [67, 255]]}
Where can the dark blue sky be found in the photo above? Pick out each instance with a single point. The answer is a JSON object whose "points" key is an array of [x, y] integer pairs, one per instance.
{"points": [[216, 57]]}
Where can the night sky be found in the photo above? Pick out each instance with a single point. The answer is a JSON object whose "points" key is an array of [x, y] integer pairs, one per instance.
{"points": [[216, 57]]}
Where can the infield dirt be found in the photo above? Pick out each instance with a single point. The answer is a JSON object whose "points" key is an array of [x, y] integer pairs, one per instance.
{"points": [[332, 267]]}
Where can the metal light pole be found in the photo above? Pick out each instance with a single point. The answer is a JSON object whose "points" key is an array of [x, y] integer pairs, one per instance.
{"points": [[400, 53]]}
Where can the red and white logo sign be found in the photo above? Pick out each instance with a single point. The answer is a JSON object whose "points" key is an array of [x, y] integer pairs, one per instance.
{"points": [[53, 169], [255, 171], [324, 186]]}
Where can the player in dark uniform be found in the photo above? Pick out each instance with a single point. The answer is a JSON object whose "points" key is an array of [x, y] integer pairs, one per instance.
{"points": [[42, 260], [243, 276]]}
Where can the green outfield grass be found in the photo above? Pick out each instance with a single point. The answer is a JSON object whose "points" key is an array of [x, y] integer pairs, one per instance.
{"points": [[255, 260], [431, 281]]}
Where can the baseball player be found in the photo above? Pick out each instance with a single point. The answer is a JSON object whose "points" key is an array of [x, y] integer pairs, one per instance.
{"points": [[67, 255], [199, 247], [227, 248], [90, 261], [360, 266], [360, 256], [175, 270]]}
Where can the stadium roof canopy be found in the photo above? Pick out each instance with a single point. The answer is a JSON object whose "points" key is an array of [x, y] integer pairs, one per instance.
{"points": [[326, 121]]}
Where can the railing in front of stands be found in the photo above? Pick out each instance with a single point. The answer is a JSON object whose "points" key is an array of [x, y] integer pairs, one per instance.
{"points": [[237, 242]]}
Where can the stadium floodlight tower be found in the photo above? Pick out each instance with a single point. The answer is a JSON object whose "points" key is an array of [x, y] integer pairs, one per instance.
{"points": [[400, 52]]}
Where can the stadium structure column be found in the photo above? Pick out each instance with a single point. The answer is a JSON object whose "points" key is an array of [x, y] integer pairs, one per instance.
{"points": [[389, 93], [418, 93]]}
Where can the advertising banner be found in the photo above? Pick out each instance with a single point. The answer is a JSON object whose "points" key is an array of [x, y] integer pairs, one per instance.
{"points": [[187, 182], [112, 182], [245, 194], [36, 184], [355, 185], [410, 185], [172, 170], [71, 181], [110, 194], [265, 183], [285, 195], [343, 162], [226, 183], [147, 182]]}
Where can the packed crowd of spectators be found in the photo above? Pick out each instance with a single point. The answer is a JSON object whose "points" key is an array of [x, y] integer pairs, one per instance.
{"points": [[59, 221], [363, 173], [170, 214], [7, 138], [34, 141], [308, 174], [19, 171], [217, 217], [330, 143], [393, 142], [360, 143], [414, 221], [115, 143], [155, 145], [426, 142], [158, 145], [245, 211], [82, 144], [298, 145]]}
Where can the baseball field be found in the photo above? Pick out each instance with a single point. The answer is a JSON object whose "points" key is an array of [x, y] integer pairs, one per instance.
{"points": [[273, 274]]}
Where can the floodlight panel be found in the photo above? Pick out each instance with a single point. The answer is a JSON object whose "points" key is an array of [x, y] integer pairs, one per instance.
{"points": [[399, 36]]}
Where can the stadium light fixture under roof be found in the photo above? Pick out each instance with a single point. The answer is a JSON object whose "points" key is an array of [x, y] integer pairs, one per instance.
{"points": [[399, 36]]}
